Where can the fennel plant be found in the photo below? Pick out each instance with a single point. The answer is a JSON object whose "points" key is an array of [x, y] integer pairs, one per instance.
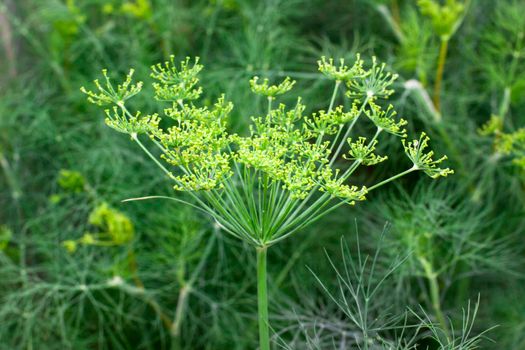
{"points": [[289, 170]]}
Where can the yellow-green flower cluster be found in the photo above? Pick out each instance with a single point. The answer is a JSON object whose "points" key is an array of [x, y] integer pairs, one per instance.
{"points": [[385, 119], [137, 8], [120, 120], [176, 84], [341, 73], [71, 181], [445, 18], [415, 150], [198, 144], [279, 148], [376, 83], [364, 153], [108, 95], [506, 143], [263, 186], [327, 123], [271, 91], [336, 187], [512, 144], [115, 229], [493, 127]]}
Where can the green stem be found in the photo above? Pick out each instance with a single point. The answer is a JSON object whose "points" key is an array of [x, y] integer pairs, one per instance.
{"points": [[439, 73], [505, 103], [334, 95], [435, 296], [414, 168], [436, 303], [262, 299]]}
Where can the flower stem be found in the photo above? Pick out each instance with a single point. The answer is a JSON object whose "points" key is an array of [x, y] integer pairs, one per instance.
{"points": [[334, 95], [262, 299], [439, 74], [414, 168]]}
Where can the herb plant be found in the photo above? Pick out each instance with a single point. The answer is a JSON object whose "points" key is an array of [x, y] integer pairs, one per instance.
{"points": [[287, 172]]}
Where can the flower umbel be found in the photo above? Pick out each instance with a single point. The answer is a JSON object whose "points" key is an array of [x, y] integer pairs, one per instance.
{"points": [[445, 18], [284, 174], [341, 72], [108, 95], [415, 150], [271, 91]]}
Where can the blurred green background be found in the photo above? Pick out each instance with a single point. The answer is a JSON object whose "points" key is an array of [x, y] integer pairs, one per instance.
{"points": [[162, 276]]}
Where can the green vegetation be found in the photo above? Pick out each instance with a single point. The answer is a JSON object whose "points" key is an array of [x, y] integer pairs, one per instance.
{"points": [[273, 194]]}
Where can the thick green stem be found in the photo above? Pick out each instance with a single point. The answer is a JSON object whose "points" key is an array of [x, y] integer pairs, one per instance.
{"points": [[262, 300], [435, 299], [439, 73]]}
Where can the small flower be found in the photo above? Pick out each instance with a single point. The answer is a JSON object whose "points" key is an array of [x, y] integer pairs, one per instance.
{"points": [[385, 119], [363, 153], [376, 83], [333, 185], [341, 73], [176, 84], [423, 161], [512, 144], [445, 18], [120, 120], [493, 127], [271, 91], [116, 227], [108, 95], [70, 245]]}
